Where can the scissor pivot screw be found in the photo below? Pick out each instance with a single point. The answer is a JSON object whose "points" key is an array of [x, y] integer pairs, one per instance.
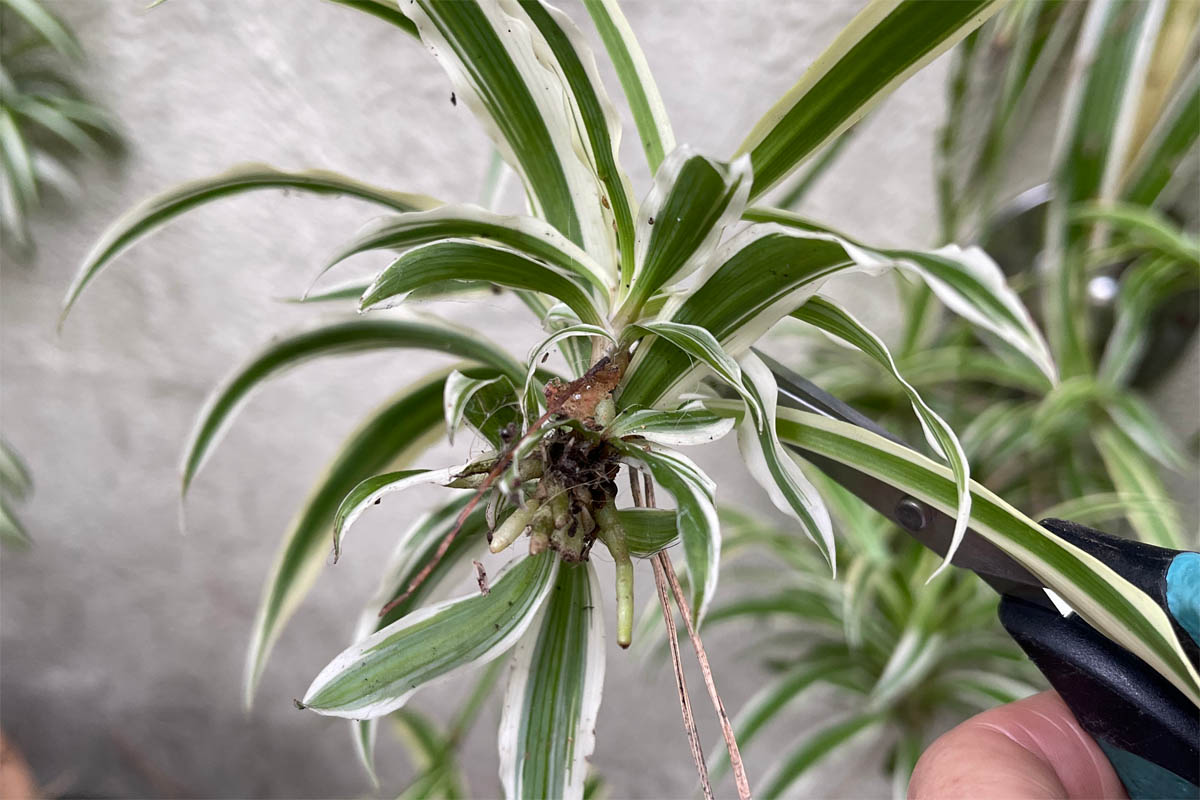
{"points": [[910, 513]]}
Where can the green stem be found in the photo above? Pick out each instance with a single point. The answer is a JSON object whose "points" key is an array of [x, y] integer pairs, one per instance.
{"points": [[613, 536]]}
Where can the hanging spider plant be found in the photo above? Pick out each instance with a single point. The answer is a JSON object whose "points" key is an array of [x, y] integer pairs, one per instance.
{"points": [[44, 118], [651, 303]]}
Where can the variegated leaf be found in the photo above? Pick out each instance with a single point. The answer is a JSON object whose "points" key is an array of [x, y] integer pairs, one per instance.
{"points": [[378, 674]]}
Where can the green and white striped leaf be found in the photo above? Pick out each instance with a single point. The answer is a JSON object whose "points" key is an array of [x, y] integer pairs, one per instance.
{"points": [[696, 342], [649, 112], [1134, 418], [838, 322], [528, 235], [343, 338], [966, 280], [504, 70], [378, 674], [413, 551], [774, 699], [681, 220], [1103, 598], [1100, 507], [1144, 287], [1156, 169], [12, 532], [813, 748], [391, 436], [466, 260], [598, 117], [695, 515], [458, 393], [1145, 227], [152, 214], [548, 720], [1132, 473], [772, 466], [372, 491], [689, 425], [17, 161], [880, 49], [1107, 75]]}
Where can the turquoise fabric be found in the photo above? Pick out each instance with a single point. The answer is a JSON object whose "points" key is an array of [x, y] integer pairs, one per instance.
{"points": [[1183, 592]]}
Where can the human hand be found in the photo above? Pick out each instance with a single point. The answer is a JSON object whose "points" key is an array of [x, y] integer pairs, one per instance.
{"points": [[1031, 749]]}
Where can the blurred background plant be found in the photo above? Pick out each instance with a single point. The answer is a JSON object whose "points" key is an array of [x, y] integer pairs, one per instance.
{"points": [[15, 484], [1102, 242], [46, 121]]}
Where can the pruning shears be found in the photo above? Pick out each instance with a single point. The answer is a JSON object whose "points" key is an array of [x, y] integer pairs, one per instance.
{"points": [[1149, 730]]}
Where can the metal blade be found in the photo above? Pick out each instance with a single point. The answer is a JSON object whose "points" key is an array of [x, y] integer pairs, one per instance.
{"points": [[926, 524]]}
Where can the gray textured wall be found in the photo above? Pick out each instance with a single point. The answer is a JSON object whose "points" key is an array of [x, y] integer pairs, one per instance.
{"points": [[122, 640]]}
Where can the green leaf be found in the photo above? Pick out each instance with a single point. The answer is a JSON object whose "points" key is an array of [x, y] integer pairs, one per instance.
{"points": [[1104, 599], [1134, 418], [15, 480], [772, 466], [1157, 166], [1144, 226], [881, 48], [772, 700], [48, 26], [681, 220], [12, 532], [528, 235], [812, 749], [1145, 286], [504, 70], [355, 336], [1107, 75], [386, 10], [378, 674], [1132, 473], [648, 530], [695, 515], [465, 260], [152, 214], [649, 112], [966, 280], [691, 424], [838, 322], [392, 435], [17, 161], [413, 551], [598, 116], [548, 720]]}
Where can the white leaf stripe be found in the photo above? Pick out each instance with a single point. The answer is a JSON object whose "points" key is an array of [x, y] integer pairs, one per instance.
{"points": [[772, 466], [695, 515], [833, 319], [649, 112], [1103, 598], [378, 675], [529, 235], [548, 720], [503, 69]]}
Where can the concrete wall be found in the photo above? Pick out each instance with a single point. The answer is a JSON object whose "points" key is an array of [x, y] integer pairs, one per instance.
{"points": [[123, 641]]}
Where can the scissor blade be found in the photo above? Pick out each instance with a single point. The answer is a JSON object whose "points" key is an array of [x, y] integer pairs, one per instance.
{"points": [[926, 524]]}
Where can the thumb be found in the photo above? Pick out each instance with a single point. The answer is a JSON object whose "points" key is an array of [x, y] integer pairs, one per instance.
{"points": [[1033, 748]]}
